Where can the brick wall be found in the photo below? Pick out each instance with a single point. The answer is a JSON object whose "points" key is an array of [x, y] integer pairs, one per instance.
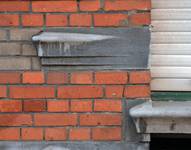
{"points": [[37, 105], [67, 105]]}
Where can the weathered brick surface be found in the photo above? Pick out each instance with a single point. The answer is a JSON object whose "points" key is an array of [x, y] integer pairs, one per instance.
{"points": [[22, 34], [79, 134], [13, 6], [10, 106], [106, 134], [34, 134], [55, 134], [54, 6], [3, 35], [55, 119], [75, 106], [9, 20], [34, 105], [56, 20], [15, 63], [58, 106], [100, 119], [28, 50], [9, 134], [90, 5], [80, 92], [32, 20], [80, 20], [10, 49]]}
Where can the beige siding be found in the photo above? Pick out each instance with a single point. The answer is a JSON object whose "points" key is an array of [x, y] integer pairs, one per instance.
{"points": [[171, 45]]}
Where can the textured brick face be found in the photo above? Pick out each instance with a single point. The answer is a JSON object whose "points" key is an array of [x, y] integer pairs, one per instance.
{"points": [[73, 106], [64, 106]]}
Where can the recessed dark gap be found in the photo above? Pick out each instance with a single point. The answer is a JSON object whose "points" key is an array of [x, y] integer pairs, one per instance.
{"points": [[170, 142]]}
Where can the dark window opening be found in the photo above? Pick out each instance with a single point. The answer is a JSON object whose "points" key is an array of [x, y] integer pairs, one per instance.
{"points": [[170, 142]]}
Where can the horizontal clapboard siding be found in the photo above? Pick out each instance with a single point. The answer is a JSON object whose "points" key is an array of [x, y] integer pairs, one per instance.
{"points": [[171, 4], [171, 26], [171, 45], [171, 72], [170, 49]]}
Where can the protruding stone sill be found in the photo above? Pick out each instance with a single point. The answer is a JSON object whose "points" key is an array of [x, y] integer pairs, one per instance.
{"points": [[95, 49], [162, 117], [69, 37]]}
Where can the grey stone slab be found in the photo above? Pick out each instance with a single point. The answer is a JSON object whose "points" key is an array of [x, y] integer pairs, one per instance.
{"points": [[94, 61], [8, 48], [73, 146], [160, 109], [15, 63], [82, 48], [162, 117], [129, 130]]}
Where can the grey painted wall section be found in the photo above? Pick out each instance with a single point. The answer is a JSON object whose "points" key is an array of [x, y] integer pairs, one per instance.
{"points": [[100, 48], [72, 146]]}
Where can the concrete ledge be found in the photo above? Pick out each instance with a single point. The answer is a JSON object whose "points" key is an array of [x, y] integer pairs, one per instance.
{"points": [[72, 146], [162, 117], [162, 109]]}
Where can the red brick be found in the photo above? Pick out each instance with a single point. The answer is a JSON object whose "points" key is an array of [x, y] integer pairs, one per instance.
{"points": [[140, 19], [84, 20], [82, 78], [34, 105], [32, 20], [10, 6], [56, 20], [54, 6], [90, 5], [33, 77], [9, 20], [114, 91], [137, 77], [80, 92], [55, 119], [111, 77], [108, 134], [117, 5], [9, 77], [55, 134], [57, 78], [34, 134], [81, 106], [137, 91], [108, 105], [15, 119], [3, 91], [58, 106], [32, 92], [9, 134], [115, 20], [79, 134], [100, 119], [10, 106]]}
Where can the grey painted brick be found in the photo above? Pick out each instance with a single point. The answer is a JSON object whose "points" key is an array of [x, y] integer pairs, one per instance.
{"points": [[36, 65], [3, 35], [15, 63], [10, 48], [28, 50], [23, 34]]}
